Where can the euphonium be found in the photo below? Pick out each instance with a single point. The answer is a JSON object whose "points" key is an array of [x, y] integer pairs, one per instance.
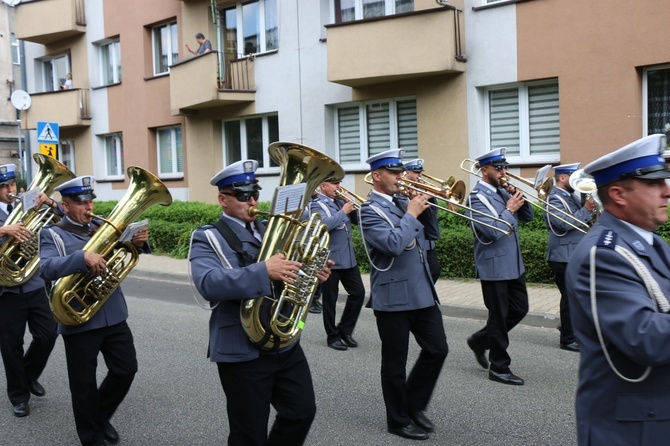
{"points": [[278, 324], [19, 261], [76, 298]]}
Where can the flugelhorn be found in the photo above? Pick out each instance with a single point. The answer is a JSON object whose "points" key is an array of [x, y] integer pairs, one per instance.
{"points": [[542, 190], [584, 183], [347, 195]]}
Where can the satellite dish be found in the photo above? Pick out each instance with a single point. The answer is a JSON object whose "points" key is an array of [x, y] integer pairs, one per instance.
{"points": [[21, 99]]}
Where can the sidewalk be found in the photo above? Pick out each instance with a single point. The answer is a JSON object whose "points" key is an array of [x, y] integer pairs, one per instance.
{"points": [[459, 298]]}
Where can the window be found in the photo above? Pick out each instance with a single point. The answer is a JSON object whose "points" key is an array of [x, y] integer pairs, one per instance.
{"points": [[170, 154], [16, 50], [113, 156], [250, 27], [110, 61], [525, 119], [365, 129], [66, 154], [166, 47], [656, 108], [55, 70], [248, 139], [349, 10]]}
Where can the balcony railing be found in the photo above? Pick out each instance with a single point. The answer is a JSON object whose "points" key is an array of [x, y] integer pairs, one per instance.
{"points": [[209, 81], [399, 47], [69, 108], [49, 21]]}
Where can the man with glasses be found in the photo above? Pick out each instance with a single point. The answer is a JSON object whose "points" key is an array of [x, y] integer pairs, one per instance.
{"points": [[499, 265], [225, 271], [338, 215]]}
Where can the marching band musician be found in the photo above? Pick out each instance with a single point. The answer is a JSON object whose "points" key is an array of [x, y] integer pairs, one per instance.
{"points": [[338, 215], [413, 170], [21, 305], [403, 296], [499, 265], [564, 238], [106, 332], [225, 272], [618, 280]]}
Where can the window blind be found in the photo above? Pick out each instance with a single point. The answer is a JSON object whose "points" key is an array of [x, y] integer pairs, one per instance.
{"points": [[407, 128], [504, 119], [378, 126], [349, 132], [544, 128]]}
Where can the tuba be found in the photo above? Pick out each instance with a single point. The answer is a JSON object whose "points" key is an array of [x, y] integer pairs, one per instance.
{"points": [[76, 298], [19, 261], [279, 323]]}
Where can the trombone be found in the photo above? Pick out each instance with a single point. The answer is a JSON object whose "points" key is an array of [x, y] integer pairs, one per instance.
{"points": [[347, 195], [542, 191], [455, 197]]}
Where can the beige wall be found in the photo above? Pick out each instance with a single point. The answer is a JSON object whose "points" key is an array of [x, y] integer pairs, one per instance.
{"points": [[596, 48]]}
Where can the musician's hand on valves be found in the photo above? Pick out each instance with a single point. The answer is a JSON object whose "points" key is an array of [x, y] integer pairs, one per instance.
{"points": [[590, 204], [17, 230], [325, 272], [281, 269], [95, 262], [348, 207], [514, 203], [417, 205]]}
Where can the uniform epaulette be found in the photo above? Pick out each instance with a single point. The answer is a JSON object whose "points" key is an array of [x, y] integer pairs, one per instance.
{"points": [[474, 191], [607, 239]]}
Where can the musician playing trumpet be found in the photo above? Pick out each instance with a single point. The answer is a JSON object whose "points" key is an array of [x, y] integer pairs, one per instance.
{"points": [[564, 238], [20, 306], [62, 254]]}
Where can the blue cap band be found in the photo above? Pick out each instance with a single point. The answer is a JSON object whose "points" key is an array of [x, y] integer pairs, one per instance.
{"points": [[627, 168], [384, 162]]}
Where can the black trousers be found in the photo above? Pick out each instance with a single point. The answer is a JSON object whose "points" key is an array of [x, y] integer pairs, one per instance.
{"points": [[433, 264], [17, 310], [93, 406], [353, 285], [507, 302], [403, 395], [282, 380], [567, 335]]}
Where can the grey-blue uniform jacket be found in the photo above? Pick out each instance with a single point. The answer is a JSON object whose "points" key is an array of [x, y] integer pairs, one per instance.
{"points": [[53, 267], [563, 238], [610, 410], [339, 230], [497, 256], [396, 240], [227, 285]]}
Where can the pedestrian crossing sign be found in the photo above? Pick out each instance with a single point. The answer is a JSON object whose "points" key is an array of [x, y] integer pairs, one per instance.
{"points": [[47, 132]]}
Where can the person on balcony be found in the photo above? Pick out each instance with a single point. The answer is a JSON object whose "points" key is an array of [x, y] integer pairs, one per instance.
{"points": [[205, 45]]}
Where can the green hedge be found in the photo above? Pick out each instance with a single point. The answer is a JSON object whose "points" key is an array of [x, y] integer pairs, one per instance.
{"points": [[171, 227]]}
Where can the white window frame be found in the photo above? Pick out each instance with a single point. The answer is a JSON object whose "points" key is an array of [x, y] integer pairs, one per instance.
{"points": [[264, 164], [170, 51], [362, 119], [16, 50], [174, 174], [53, 83], [261, 26], [106, 140], [113, 59], [389, 9], [66, 154], [524, 156]]}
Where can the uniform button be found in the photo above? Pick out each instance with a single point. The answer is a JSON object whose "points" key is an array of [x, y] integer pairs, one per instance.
{"points": [[651, 413]]}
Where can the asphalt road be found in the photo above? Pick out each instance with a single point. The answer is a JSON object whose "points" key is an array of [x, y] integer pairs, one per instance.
{"points": [[176, 398]]}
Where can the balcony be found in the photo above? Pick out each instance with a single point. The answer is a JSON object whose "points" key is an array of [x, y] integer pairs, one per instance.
{"points": [[399, 47], [49, 21], [69, 108], [196, 84]]}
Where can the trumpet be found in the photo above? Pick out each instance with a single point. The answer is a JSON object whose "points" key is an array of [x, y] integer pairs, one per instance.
{"points": [[347, 195], [455, 197], [542, 192]]}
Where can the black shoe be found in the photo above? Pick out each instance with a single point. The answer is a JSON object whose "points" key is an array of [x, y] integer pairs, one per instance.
{"points": [[337, 345], [571, 347], [349, 341], [420, 419], [36, 388], [111, 436], [314, 310], [505, 378], [480, 353], [21, 409], [410, 431]]}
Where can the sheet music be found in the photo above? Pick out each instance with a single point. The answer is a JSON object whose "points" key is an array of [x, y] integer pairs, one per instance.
{"points": [[541, 176], [132, 229], [29, 199], [289, 198]]}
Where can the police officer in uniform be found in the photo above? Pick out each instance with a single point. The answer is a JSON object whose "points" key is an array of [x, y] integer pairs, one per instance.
{"points": [[413, 170], [252, 378], [21, 305], [618, 282], [564, 236], [62, 254], [338, 214], [403, 296], [499, 264]]}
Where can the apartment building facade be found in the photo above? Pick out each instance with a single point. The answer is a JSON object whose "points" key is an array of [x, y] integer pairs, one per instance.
{"points": [[10, 81]]}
